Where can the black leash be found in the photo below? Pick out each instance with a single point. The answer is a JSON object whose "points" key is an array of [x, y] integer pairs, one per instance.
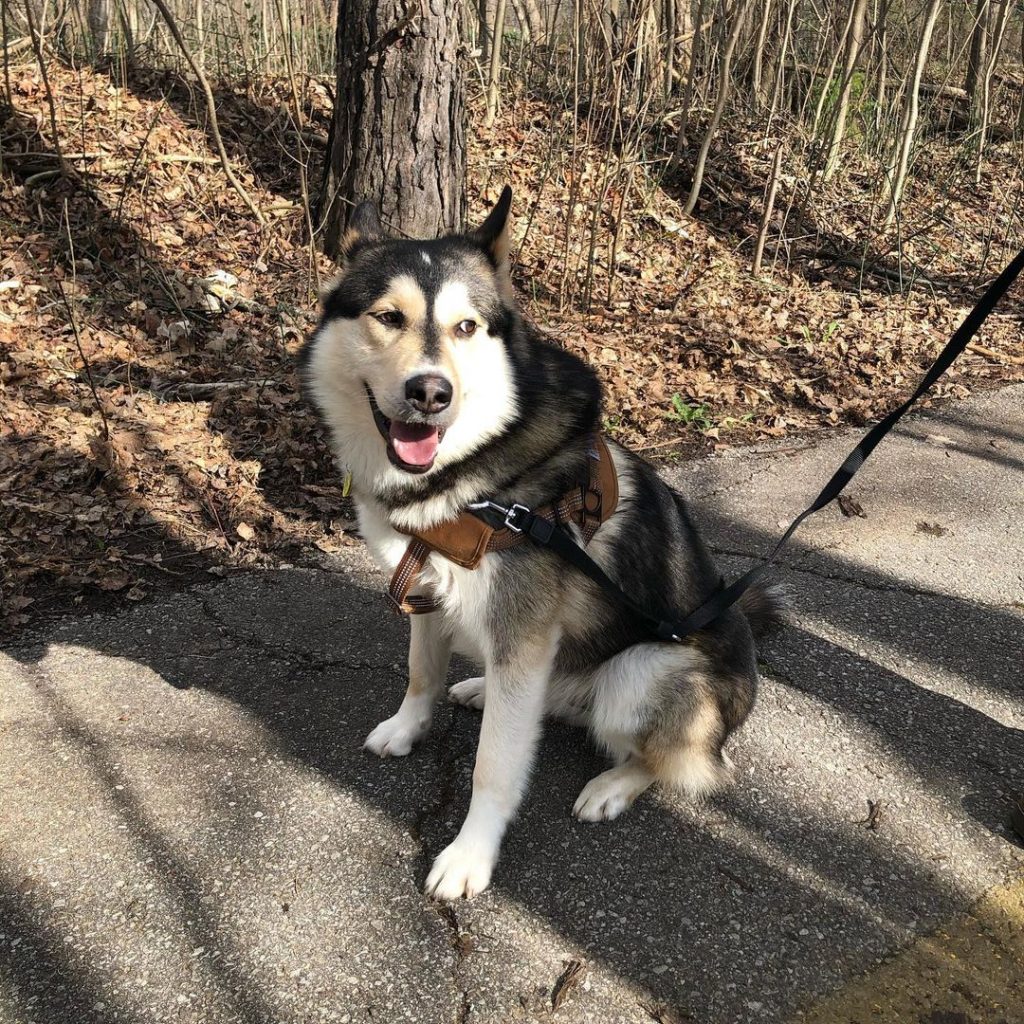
{"points": [[522, 520]]}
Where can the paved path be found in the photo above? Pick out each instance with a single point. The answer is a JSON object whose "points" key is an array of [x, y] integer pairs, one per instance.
{"points": [[189, 831]]}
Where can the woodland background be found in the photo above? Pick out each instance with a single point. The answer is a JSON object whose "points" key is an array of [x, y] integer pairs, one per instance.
{"points": [[758, 219]]}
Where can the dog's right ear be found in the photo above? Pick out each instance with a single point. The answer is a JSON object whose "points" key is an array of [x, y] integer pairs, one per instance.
{"points": [[363, 227]]}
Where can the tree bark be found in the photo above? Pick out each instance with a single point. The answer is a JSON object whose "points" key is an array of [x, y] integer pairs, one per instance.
{"points": [[977, 60], [398, 136]]}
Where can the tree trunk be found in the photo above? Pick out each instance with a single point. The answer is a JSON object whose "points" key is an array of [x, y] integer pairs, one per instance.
{"points": [[682, 140], [897, 177], [398, 136], [881, 36], [755, 78], [99, 14], [483, 20], [977, 60], [494, 72], [854, 43], [995, 45], [724, 87], [535, 22]]}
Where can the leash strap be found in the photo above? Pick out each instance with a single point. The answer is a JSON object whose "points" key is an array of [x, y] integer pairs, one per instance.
{"points": [[547, 534]]}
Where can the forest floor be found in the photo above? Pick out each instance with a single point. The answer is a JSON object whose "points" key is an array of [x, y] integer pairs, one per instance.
{"points": [[151, 426]]}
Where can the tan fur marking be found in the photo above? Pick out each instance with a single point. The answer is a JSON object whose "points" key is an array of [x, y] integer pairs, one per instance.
{"points": [[684, 748], [348, 240], [405, 295]]}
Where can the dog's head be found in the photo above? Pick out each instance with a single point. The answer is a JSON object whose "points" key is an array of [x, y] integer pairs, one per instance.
{"points": [[413, 333]]}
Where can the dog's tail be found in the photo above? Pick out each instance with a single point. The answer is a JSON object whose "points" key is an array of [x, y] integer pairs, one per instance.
{"points": [[766, 606]]}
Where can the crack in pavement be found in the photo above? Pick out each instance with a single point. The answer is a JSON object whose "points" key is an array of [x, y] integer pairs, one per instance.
{"points": [[447, 758], [289, 655]]}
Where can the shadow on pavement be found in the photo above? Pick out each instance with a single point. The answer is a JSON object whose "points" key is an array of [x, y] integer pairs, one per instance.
{"points": [[759, 895]]}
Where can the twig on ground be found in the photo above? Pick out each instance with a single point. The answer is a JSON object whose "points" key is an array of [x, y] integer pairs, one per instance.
{"points": [[78, 337]]}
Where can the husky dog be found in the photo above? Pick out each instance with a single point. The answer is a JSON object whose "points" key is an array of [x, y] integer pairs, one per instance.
{"points": [[437, 394]]}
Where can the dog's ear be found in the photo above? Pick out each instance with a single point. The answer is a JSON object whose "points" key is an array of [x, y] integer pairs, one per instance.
{"points": [[363, 227], [494, 237], [493, 234]]}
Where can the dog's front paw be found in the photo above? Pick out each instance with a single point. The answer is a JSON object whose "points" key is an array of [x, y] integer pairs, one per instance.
{"points": [[461, 869], [395, 736]]}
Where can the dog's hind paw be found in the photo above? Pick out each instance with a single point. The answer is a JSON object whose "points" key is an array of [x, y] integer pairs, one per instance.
{"points": [[610, 793], [469, 693], [395, 736], [460, 870]]}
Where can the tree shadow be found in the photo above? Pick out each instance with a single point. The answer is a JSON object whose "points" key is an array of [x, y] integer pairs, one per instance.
{"points": [[702, 908]]}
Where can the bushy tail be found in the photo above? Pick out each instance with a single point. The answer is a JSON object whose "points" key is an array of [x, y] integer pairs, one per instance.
{"points": [[765, 606]]}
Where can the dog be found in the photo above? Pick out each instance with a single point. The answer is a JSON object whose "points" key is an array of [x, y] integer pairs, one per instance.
{"points": [[438, 394]]}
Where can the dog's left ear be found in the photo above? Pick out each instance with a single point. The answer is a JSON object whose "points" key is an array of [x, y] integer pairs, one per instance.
{"points": [[363, 227], [493, 234], [494, 238]]}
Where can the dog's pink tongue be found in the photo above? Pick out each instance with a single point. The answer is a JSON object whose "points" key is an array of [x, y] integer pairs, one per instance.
{"points": [[414, 443]]}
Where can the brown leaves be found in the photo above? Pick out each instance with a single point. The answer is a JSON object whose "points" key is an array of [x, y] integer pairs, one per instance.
{"points": [[191, 323]]}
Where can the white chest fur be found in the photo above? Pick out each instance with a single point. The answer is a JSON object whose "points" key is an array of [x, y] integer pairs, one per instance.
{"points": [[463, 593]]}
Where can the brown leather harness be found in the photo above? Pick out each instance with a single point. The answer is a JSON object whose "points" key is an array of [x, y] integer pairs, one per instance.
{"points": [[467, 538]]}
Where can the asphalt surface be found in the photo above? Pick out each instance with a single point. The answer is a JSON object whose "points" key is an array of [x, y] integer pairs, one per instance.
{"points": [[190, 832]]}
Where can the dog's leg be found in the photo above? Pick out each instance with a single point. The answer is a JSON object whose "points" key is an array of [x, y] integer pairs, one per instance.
{"points": [[655, 710], [508, 738], [472, 693], [430, 650]]}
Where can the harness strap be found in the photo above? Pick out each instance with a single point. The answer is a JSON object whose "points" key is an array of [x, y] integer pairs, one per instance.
{"points": [[487, 526], [405, 576]]}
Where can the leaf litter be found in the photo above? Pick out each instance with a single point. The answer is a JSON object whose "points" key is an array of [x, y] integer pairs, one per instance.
{"points": [[197, 453]]}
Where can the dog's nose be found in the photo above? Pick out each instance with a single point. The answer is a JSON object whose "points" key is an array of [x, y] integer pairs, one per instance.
{"points": [[428, 393]]}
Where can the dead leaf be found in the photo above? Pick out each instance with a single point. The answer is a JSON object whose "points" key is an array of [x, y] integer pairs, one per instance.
{"points": [[575, 971], [662, 1013], [851, 507], [245, 531], [931, 528], [1017, 816]]}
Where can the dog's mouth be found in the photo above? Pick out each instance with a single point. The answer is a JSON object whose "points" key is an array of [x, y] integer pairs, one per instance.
{"points": [[411, 446]]}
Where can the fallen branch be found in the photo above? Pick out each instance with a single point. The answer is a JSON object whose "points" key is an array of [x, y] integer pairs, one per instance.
{"points": [[948, 92], [996, 357], [203, 390], [904, 278]]}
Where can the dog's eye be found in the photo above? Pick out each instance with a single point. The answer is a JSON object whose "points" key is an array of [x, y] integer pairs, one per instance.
{"points": [[466, 328], [389, 318]]}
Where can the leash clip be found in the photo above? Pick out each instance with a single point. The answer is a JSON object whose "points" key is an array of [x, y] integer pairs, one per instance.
{"points": [[512, 516]]}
